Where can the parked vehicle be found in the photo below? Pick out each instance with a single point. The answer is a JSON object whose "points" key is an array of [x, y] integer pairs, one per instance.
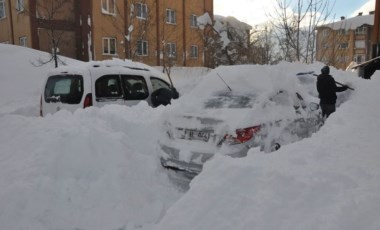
{"points": [[230, 123], [101, 83]]}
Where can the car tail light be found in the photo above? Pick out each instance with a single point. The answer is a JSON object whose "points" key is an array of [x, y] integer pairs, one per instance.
{"points": [[41, 113], [87, 101], [242, 135]]}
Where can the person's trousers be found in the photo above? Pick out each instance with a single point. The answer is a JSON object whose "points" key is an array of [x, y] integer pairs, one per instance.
{"points": [[327, 109]]}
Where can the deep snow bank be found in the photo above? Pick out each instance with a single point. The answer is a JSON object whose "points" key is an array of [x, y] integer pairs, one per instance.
{"points": [[97, 168], [329, 181], [94, 169], [21, 78]]}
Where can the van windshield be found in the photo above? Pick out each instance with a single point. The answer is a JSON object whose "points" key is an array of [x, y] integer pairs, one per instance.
{"points": [[66, 89]]}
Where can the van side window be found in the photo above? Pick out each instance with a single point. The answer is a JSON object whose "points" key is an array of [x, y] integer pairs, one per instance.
{"points": [[66, 89], [158, 84], [135, 87], [108, 86]]}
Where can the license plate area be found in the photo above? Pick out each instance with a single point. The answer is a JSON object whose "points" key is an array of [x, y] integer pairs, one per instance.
{"points": [[192, 134]]}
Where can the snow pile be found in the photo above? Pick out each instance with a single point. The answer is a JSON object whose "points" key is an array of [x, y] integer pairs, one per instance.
{"points": [[329, 181], [94, 169], [21, 79], [98, 169]]}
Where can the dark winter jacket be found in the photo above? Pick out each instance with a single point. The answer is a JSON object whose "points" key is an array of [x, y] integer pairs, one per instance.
{"points": [[327, 89]]}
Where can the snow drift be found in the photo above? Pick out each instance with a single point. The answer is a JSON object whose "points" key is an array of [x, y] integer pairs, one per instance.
{"points": [[98, 169]]}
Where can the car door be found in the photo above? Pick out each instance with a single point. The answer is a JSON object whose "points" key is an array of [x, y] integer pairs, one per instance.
{"points": [[158, 83], [108, 90], [135, 89], [63, 91]]}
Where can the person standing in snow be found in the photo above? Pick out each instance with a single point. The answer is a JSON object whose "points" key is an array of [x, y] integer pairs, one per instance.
{"points": [[327, 90]]}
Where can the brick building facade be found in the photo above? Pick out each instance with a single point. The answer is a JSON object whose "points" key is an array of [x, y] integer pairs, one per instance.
{"points": [[150, 31], [345, 41]]}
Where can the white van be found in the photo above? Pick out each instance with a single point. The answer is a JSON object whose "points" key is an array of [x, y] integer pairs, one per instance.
{"points": [[104, 82]]}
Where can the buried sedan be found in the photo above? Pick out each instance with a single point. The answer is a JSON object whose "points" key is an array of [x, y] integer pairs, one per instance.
{"points": [[230, 123]]}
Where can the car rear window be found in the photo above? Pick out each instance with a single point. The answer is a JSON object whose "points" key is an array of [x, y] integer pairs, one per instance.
{"points": [[230, 100], [66, 89]]}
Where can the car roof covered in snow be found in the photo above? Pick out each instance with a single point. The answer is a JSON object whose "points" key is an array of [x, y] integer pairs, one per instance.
{"points": [[114, 65]]}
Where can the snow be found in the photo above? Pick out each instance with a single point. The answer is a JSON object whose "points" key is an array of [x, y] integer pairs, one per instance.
{"points": [[89, 44], [17, 65], [222, 25], [328, 181], [89, 21], [352, 23], [366, 8], [98, 169], [204, 20]]}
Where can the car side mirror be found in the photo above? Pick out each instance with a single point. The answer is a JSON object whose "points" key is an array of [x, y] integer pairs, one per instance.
{"points": [[313, 106], [175, 93]]}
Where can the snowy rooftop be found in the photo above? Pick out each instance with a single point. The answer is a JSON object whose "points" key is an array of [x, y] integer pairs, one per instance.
{"points": [[232, 22], [351, 23]]}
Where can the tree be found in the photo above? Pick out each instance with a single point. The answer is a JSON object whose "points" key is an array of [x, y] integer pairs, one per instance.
{"points": [[226, 41], [134, 22], [263, 46], [54, 19], [295, 23]]}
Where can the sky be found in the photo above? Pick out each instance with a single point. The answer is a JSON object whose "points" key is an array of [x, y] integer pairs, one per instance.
{"points": [[98, 168], [254, 11]]}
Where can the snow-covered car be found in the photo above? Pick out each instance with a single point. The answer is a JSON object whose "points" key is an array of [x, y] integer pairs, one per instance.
{"points": [[256, 111], [104, 82]]}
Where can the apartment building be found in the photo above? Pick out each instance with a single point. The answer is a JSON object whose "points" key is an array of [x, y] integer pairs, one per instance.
{"points": [[345, 41], [156, 32]]}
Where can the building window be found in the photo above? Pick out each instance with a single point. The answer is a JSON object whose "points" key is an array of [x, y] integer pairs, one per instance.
{"points": [[171, 50], [342, 32], [193, 21], [343, 59], [20, 5], [360, 44], [170, 16], [359, 59], [22, 41], [361, 30], [2, 9], [108, 6], [343, 45], [109, 46], [325, 33], [142, 48], [194, 51], [142, 11]]}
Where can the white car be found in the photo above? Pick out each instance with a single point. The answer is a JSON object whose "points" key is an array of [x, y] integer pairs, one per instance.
{"points": [[253, 112], [104, 82]]}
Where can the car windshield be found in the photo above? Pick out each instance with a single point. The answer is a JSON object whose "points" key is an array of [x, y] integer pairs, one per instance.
{"points": [[229, 100], [64, 88]]}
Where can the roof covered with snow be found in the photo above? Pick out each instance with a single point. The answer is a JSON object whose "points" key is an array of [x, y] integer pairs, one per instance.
{"points": [[232, 22], [351, 23]]}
